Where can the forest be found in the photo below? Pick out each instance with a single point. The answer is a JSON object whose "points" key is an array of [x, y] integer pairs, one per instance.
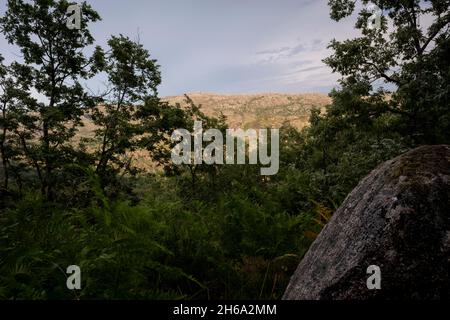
{"points": [[190, 231]]}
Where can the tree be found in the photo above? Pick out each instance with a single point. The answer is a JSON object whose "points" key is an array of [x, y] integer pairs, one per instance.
{"points": [[193, 113], [406, 58], [15, 81], [54, 53], [133, 78]]}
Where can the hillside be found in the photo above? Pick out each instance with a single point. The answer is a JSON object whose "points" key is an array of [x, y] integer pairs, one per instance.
{"points": [[265, 110]]}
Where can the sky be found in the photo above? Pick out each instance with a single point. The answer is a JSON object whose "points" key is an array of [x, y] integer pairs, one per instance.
{"points": [[225, 46]]}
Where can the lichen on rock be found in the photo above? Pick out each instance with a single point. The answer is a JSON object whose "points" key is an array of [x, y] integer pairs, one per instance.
{"points": [[397, 218]]}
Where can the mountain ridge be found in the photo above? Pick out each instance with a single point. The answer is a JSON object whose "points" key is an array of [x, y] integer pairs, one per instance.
{"points": [[257, 110]]}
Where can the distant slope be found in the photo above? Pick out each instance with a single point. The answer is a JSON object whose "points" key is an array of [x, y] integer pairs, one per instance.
{"points": [[265, 110]]}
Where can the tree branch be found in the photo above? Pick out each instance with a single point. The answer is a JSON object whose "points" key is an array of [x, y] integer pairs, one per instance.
{"points": [[445, 21], [381, 73]]}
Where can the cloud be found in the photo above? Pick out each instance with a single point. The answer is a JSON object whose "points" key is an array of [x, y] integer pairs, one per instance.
{"points": [[226, 46], [293, 66], [274, 51], [287, 52]]}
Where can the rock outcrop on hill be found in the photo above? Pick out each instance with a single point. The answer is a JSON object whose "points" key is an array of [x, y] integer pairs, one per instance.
{"points": [[255, 111], [398, 219]]}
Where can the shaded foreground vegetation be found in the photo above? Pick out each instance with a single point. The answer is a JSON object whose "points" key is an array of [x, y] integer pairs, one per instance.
{"points": [[196, 232]]}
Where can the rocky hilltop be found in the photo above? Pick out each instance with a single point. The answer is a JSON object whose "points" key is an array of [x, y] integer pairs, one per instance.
{"points": [[265, 110]]}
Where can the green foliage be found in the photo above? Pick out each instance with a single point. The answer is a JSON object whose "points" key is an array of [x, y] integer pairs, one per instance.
{"points": [[55, 62], [192, 231], [157, 249], [132, 79], [407, 61]]}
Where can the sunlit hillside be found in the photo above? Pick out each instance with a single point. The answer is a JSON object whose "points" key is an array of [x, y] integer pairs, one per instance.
{"points": [[264, 110]]}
